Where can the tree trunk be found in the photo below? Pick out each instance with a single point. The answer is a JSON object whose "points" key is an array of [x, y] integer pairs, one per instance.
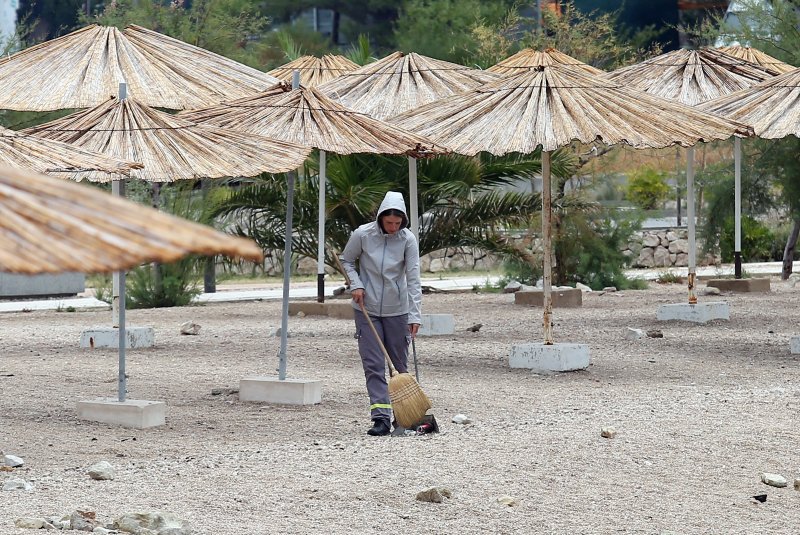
{"points": [[335, 28], [210, 268], [788, 252]]}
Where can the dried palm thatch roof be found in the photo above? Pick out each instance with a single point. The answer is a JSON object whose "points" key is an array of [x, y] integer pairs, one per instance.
{"points": [[55, 157], [314, 71], [554, 106], [307, 117], [85, 67], [691, 76], [528, 58], [401, 82], [754, 55], [772, 107], [170, 148], [50, 226]]}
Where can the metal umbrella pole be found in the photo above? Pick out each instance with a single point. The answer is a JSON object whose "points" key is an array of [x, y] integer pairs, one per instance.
{"points": [[412, 194], [546, 252], [287, 259], [690, 216], [118, 289], [321, 232], [737, 246]]}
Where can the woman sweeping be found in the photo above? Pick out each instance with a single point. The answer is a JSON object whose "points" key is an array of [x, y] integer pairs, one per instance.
{"points": [[387, 283]]}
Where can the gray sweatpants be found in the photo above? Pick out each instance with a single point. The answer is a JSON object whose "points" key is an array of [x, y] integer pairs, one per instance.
{"points": [[395, 336]]}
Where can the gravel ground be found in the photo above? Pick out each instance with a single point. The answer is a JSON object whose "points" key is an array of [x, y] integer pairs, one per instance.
{"points": [[700, 414]]}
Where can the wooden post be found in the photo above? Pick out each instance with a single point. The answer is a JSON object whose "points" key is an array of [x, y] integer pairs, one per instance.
{"points": [[321, 230], [737, 245], [690, 216]]}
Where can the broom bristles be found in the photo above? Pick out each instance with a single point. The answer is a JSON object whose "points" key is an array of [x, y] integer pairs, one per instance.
{"points": [[409, 402]]}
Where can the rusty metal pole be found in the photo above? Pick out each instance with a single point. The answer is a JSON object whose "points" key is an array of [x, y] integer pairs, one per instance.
{"points": [[547, 249], [690, 216], [737, 206]]}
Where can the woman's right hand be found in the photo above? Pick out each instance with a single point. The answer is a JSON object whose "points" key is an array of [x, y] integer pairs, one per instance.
{"points": [[358, 296]]}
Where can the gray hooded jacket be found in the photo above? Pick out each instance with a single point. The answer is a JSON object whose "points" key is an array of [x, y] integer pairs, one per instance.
{"points": [[388, 266]]}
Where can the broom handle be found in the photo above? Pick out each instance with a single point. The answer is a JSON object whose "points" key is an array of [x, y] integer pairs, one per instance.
{"points": [[392, 370]]}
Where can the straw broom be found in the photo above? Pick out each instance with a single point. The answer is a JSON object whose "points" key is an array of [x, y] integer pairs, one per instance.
{"points": [[409, 402]]}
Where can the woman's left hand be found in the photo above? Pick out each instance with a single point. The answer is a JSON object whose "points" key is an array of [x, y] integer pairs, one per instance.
{"points": [[413, 328]]}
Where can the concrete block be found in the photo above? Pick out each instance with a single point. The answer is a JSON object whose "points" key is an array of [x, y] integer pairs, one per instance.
{"points": [[555, 357], [59, 284], [139, 414], [699, 313], [433, 324], [340, 309], [286, 392], [740, 285], [135, 337], [571, 298], [794, 345]]}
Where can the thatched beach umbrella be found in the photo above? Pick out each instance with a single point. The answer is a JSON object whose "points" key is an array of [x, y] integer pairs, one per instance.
{"points": [[314, 71], [692, 77], [84, 68], [170, 147], [399, 83], [305, 116], [52, 226], [57, 158], [550, 108], [528, 58], [771, 107], [762, 59]]}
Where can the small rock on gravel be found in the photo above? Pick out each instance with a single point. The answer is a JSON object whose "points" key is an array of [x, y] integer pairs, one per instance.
{"points": [[608, 431], [434, 494], [512, 287], [27, 522], [655, 333], [190, 328], [508, 500], [797, 484], [13, 461], [101, 471], [711, 290], [475, 328], [773, 480], [461, 419], [633, 334]]}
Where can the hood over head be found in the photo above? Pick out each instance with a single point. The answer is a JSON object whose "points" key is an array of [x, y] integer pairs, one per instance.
{"points": [[393, 201]]}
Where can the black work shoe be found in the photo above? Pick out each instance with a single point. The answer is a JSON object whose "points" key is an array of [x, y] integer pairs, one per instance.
{"points": [[380, 428]]}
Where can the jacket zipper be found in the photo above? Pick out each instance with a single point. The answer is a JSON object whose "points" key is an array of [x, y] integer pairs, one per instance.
{"points": [[383, 277]]}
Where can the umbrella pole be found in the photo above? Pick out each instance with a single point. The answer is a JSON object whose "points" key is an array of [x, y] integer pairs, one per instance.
{"points": [[412, 194], [121, 382], [287, 258], [546, 249], [690, 217], [737, 166], [321, 240], [118, 304]]}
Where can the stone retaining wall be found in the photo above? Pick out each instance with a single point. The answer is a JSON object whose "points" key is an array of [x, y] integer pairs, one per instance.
{"points": [[648, 249]]}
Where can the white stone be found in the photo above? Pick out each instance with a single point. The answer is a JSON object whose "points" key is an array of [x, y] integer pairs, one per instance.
{"points": [[101, 471], [774, 480], [135, 337], [435, 324], [461, 419], [555, 357], [651, 240], [508, 500], [13, 461], [17, 484], [661, 257], [154, 522], [645, 258], [582, 287], [190, 328], [101, 531], [512, 286], [682, 260], [698, 313], [711, 290], [633, 334], [794, 345], [138, 414], [27, 522], [286, 391]]}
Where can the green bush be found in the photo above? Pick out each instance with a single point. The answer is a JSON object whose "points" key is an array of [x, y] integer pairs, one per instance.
{"points": [[175, 287], [516, 269], [758, 242], [647, 188]]}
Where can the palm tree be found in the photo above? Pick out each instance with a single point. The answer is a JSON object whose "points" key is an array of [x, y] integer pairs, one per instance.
{"points": [[464, 202]]}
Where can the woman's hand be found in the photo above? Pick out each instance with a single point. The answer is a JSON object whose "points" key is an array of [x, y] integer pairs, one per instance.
{"points": [[358, 296], [413, 328]]}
